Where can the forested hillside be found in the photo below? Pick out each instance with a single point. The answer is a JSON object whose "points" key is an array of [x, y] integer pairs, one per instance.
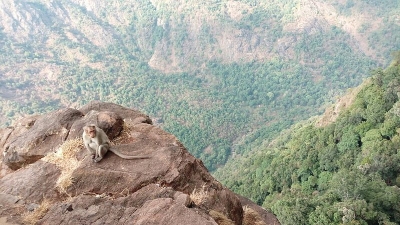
{"points": [[346, 171], [221, 75]]}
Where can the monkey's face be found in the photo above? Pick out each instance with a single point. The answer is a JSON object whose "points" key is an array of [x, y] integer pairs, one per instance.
{"points": [[91, 131]]}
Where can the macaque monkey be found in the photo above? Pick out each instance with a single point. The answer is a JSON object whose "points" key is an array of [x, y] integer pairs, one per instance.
{"points": [[97, 143]]}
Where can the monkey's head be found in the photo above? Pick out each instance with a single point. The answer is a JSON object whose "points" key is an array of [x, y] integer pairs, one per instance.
{"points": [[90, 130]]}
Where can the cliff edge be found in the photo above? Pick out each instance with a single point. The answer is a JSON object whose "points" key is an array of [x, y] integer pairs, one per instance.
{"points": [[47, 176]]}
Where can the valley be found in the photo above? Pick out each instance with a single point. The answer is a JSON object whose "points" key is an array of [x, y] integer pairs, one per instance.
{"points": [[223, 76]]}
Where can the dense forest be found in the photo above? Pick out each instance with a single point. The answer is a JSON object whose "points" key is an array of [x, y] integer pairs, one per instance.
{"points": [[223, 76], [344, 172]]}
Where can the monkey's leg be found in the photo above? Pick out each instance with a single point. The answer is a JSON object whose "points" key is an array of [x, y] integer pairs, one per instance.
{"points": [[101, 152], [92, 148]]}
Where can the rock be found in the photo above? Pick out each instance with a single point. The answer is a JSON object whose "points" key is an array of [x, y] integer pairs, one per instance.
{"points": [[64, 186], [7, 199], [33, 137], [174, 214], [31, 207], [129, 115], [111, 123], [150, 205], [257, 213], [32, 184], [183, 199], [48, 132], [3, 221], [108, 121]]}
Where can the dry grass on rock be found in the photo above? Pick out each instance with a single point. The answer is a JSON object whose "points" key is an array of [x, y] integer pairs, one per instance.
{"points": [[64, 158], [220, 218], [37, 214], [124, 136], [199, 196], [251, 217]]}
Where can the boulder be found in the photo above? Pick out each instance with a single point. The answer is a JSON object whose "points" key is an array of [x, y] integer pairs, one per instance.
{"points": [[41, 136]]}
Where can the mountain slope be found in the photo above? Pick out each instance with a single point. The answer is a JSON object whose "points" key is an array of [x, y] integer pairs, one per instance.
{"points": [[214, 73], [341, 170]]}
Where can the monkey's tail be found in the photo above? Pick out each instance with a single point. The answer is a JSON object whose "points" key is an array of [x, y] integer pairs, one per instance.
{"points": [[128, 156]]}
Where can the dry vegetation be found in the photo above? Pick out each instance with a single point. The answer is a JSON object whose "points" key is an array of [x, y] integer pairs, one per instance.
{"points": [[220, 218], [38, 213], [251, 217], [124, 136], [199, 196], [65, 159]]}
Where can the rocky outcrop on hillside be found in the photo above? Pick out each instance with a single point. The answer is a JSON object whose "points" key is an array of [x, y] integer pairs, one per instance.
{"points": [[342, 103], [47, 176]]}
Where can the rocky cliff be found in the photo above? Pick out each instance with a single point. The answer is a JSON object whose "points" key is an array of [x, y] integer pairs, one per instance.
{"points": [[47, 176]]}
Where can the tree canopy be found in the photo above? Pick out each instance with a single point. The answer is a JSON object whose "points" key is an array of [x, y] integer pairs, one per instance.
{"points": [[347, 172]]}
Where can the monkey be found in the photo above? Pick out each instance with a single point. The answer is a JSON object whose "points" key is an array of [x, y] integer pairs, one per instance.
{"points": [[97, 143]]}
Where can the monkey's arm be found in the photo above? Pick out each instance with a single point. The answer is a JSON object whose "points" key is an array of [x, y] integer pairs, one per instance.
{"points": [[127, 156], [87, 144], [91, 150]]}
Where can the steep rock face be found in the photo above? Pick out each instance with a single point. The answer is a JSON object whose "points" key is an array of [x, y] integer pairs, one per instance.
{"points": [[55, 182]]}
